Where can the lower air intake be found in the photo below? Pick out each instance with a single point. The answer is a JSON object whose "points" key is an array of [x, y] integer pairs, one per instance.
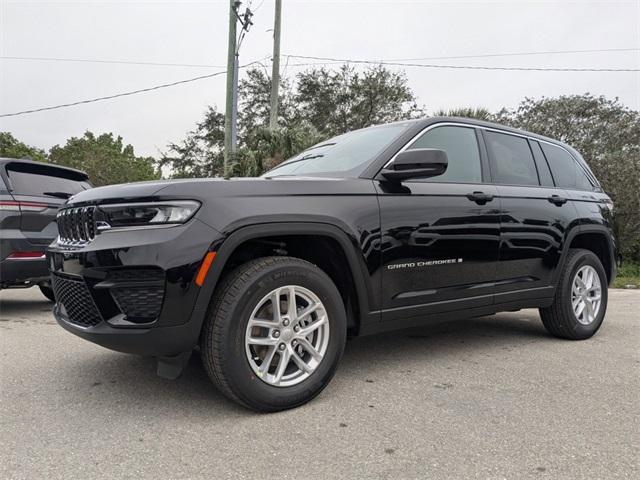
{"points": [[75, 301]]}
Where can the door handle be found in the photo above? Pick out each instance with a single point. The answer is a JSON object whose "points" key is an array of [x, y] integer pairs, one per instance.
{"points": [[480, 197], [557, 200]]}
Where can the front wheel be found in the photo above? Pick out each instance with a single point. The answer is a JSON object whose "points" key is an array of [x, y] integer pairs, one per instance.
{"points": [[275, 333], [580, 302]]}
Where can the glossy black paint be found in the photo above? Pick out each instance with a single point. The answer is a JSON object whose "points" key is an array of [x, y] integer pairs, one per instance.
{"points": [[436, 222], [417, 251]]}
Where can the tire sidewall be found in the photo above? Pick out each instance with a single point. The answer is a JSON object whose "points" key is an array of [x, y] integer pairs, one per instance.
{"points": [[241, 377], [579, 261]]}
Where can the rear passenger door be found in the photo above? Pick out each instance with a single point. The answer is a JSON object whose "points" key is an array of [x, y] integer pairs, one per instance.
{"points": [[535, 217]]}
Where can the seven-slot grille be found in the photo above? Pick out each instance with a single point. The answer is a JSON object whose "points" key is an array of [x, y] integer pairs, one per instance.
{"points": [[76, 225]]}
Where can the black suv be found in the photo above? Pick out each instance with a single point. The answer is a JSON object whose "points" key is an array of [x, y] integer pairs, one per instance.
{"points": [[30, 195], [384, 228]]}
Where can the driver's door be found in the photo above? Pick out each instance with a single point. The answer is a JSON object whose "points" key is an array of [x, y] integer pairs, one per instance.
{"points": [[440, 236]]}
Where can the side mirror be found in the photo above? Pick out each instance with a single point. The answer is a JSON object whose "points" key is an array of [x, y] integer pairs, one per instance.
{"points": [[416, 163]]}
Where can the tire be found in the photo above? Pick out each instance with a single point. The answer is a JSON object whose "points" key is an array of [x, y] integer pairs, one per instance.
{"points": [[559, 319], [231, 363], [47, 292]]}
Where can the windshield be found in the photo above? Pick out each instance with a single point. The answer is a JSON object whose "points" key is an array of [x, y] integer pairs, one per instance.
{"points": [[342, 153]]}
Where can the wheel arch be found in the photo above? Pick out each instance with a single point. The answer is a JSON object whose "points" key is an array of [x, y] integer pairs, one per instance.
{"points": [[234, 243], [597, 239]]}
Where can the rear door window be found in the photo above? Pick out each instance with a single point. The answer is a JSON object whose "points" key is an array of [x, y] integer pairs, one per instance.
{"points": [[44, 182], [566, 171], [511, 159]]}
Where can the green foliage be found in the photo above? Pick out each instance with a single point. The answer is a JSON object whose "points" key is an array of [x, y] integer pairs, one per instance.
{"points": [[479, 113], [105, 159], [271, 147], [338, 101], [629, 274], [11, 147], [320, 103], [607, 135], [200, 154]]}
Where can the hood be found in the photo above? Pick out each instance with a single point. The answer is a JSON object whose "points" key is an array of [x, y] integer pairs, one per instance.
{"points": [[207, 188]]}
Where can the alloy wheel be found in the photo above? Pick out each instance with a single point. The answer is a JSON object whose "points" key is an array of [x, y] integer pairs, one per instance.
{"points": [[586, 294], [287, 336]]}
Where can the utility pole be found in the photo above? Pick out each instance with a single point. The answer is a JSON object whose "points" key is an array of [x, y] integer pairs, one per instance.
{"points": [[275, 74], [231, 110], [229, 127]]}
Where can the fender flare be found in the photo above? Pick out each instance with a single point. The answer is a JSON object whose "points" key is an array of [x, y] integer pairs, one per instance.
{"points": [[226, 246], [581, 229]]}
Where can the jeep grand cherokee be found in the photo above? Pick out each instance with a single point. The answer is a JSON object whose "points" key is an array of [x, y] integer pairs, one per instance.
{"points": [[388, 227]]}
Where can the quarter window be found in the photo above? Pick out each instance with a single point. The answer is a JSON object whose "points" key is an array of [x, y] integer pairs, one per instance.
{"points": [[461, 146], [566, 171], [546, 179], [512, 160]]}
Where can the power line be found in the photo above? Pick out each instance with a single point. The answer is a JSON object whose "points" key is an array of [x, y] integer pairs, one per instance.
{"points": [[123, 94], [515, 54], [116, 62], [109, 97], [323, 60], [203, 65], [464, 67]]}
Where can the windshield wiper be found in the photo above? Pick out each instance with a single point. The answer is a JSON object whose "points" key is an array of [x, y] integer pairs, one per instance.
{"points": [[63, 195], [308, 157], [320, 146]]}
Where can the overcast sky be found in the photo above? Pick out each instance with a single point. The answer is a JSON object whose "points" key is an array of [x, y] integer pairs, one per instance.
{"points": [[196, 33]]}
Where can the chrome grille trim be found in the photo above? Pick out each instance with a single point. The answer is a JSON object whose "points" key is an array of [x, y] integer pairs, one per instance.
{"points": [[76, 226]]}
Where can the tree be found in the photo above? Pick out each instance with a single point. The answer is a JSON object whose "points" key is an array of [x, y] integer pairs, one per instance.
{"points": [[607, 134], [318, 104], [200, 154], [337, 101], [478, 113], [105, 158], [11, 147]]}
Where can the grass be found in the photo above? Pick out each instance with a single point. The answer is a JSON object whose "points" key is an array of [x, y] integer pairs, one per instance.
{"points": [[628, 274]]}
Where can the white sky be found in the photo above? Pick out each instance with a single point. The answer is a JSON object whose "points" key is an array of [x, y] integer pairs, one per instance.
{"points": [[196, 32]]}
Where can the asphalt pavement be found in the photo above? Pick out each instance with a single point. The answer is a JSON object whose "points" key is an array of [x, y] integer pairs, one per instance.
{"points": [[490, 398]]}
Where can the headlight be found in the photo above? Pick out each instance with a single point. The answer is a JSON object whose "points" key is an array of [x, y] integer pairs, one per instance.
{"points": [[146, 214]]}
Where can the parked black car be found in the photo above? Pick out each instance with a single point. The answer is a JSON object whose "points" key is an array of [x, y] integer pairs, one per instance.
{"points": [[388, 227], [30, 195]]}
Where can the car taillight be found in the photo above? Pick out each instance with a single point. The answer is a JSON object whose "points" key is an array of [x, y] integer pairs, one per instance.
{"points": [[13, 206], [31, 254]]}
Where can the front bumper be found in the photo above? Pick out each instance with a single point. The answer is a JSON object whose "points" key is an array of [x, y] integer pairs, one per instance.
{"points": [[133, 291]]}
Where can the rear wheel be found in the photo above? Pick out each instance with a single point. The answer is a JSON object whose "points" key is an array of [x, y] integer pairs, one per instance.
{"points": [[275, 333], [47, 291], [580, 302]]}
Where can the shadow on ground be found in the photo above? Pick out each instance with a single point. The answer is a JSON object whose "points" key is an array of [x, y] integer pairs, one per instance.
{"points": [[12, 307], [130, 379]]}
